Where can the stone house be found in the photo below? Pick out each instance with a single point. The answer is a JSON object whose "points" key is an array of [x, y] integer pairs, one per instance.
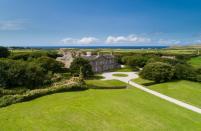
{"points": [[99, 63]]}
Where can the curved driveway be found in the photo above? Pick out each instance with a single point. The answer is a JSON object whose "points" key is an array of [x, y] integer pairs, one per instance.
{"points": [[133, 75], [109, 76]]}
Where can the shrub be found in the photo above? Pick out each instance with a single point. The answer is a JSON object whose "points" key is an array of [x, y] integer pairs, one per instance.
{"points": [[4, 52], [198, 78], [165, 60], [33, 55], [158, 72], [184, 71], [50, 64], [20, 73], [138, 61], [78, 64], [35, 76]]}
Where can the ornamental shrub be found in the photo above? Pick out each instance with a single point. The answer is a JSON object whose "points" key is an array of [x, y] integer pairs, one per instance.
{"points": [[158, 72]]}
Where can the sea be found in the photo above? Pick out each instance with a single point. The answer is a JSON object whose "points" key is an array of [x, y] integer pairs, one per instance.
{"points": [[99, 47]]}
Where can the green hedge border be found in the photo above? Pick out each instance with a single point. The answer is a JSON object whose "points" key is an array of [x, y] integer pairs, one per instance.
{"points": [[30, 95]]}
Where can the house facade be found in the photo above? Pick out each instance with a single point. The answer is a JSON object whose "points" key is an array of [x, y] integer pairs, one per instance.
{"points": [[99, 63]]}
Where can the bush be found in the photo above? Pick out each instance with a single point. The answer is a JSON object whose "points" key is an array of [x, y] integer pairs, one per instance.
{"points": [[4, 52], [50, 64], [185, 72], [35, 76], [20, 73], [78, 64], [198, 78], [33, 55], [158, 72], [138, 61], [165, 60]]}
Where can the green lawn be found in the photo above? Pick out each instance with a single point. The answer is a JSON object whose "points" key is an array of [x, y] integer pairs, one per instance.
{"points": [[120, 75], [187, 91], [93, 110], [125, 69], [196, 62], [143, 81], [104, 84]]}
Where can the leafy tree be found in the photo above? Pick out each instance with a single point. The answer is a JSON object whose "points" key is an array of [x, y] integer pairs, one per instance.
{"points": [[80, 64], [4, 52], [20, 73], [158, 72], [50, 64], [138, 61], [165, 60], [185, 72], [35, 76]]}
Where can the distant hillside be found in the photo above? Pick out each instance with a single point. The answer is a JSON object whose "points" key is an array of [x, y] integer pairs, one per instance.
{"points": [[193, 46]]}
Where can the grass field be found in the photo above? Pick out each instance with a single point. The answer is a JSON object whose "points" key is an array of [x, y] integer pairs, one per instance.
{"points": [[187, 91], [196, 62], [143, 81], [104, 84], [125, 69], [120, 75], [93, 110]]}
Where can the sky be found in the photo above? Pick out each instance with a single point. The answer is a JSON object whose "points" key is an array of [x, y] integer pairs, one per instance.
{"points": [[99, 22]]}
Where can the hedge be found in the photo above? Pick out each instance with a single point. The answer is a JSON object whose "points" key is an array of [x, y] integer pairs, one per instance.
{"points": [[29, 95]]}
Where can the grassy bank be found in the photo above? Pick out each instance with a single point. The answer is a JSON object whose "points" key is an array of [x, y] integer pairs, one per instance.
{"points": [[106, 84]]}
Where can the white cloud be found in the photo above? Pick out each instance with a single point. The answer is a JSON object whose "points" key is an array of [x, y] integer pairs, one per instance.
{"points": [[127, 39], [11, 25], [169, 42], [88, 40], [84, 40]]}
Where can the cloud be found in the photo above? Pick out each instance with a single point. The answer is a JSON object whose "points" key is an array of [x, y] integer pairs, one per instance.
{"points": [[11, 25], [127, 39], [169, 42], [84, 40], [88, 40]]}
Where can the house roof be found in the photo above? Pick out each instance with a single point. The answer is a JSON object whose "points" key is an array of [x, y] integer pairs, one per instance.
{"points": [[95, 57]]}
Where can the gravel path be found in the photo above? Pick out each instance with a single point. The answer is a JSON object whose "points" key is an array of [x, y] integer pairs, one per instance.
{"points": [[133, 75]]}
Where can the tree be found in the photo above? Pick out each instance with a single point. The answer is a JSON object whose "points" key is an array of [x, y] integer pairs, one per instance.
{"points": [[185, 72], [158, 72], [4, 52], [50, 64], [138, 61], [35, 76], [21, 73], [81, 64]]}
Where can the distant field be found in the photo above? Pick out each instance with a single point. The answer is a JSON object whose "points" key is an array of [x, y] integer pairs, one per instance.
{"points": [[196, 62], [164, 51], [98, 110]]}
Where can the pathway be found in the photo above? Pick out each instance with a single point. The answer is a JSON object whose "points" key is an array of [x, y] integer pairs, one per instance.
{"points": [[133, 75]]}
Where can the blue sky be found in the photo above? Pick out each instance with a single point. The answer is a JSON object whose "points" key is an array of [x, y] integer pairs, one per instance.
{"points": [[99, 22]]}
